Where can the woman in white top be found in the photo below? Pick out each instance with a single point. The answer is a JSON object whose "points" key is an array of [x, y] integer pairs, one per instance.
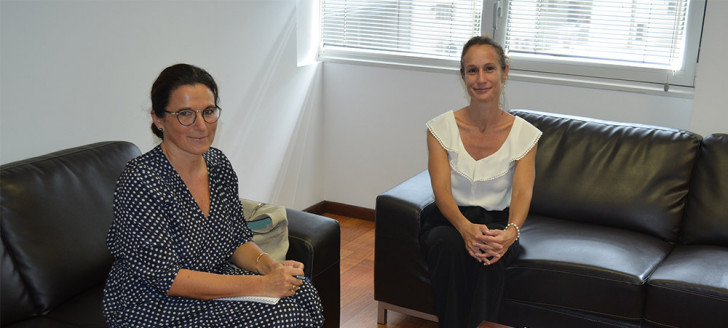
{"points": [[481, 163]]}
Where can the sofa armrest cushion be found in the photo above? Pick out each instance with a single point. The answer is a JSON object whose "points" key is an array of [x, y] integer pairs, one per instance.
{"points": [[315, 241], [400, 270]]}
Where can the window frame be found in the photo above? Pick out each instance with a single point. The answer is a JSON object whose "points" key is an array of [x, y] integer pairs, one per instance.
{"points": [[591, 73], [342, 54], [553, 70]]}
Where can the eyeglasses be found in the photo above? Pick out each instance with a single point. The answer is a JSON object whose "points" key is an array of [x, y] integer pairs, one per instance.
{"points": [[188, 116]]}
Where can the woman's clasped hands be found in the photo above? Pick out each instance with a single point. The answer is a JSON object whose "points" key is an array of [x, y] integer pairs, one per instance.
{"points": [[486, 245]]}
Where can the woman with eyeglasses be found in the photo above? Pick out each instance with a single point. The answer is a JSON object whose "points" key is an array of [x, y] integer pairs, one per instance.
{"points": [[179, 239]]}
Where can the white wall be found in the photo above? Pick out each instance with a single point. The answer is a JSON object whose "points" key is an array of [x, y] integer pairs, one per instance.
{"points": [[76, 72], [375, 115], [710, 107]]}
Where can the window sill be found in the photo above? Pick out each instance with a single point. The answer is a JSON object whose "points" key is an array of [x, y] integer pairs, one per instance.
{"points": [[452, 66], [602, 83]]}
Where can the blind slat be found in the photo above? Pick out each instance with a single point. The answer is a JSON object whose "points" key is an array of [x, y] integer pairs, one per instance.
{"points": [[635, 31], [428, 27]]}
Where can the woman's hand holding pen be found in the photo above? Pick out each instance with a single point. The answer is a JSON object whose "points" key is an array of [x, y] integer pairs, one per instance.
{"points": [[283, 280]]}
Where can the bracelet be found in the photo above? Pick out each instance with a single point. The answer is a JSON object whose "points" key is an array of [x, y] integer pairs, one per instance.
{"points": [[518, 231], [257, 259]]}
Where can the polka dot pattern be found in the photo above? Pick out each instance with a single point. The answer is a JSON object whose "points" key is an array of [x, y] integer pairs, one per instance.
{"points": [[158, 229]]}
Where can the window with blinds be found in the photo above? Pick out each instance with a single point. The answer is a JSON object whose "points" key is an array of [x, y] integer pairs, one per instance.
{"points": [[413, 28], [640, 41], [634, 42], [643, 33]]}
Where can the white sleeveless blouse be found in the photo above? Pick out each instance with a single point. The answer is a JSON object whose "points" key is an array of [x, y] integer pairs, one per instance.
{"points": [[488, 182]]}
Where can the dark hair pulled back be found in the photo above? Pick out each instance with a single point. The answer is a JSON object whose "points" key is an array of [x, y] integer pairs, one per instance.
{"points": [[483, 40], [172, 78]]}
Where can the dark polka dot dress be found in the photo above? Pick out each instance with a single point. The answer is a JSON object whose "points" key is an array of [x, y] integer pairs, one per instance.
{"points": [[158, 229]]}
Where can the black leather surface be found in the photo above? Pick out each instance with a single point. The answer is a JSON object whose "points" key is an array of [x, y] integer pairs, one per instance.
{"points": [[15, 303], [622, 175], [586, 267], [58, 247], [690, 288], [519, 314], [315, 241], [309, 232], [400, 272], [84, 310], [707, 210], [41, 322]]}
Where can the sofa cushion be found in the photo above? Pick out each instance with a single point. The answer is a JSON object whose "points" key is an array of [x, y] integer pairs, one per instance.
{"points": [[518, 314], [84, 310], [581, 266], [56, 211], [16, 302], [690, 288], [40, 322], [612, 174], [706, 221]]}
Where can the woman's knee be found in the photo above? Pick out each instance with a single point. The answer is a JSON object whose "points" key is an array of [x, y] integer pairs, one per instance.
{"points": [[444, 239]]}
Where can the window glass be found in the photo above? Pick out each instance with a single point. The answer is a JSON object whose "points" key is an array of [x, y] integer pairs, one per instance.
{"points": [[621, 41]]}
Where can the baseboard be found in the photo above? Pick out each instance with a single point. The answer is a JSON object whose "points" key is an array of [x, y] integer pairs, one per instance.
{"points": [[318, 208], [341, 209]]}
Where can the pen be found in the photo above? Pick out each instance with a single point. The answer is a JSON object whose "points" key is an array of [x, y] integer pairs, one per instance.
{"points": [[304, 278]]}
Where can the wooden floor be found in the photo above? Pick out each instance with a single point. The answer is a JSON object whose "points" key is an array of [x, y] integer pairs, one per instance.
{"points": [[358, 308]]}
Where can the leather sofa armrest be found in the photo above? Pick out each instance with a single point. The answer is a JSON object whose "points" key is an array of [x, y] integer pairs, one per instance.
{"points": [[310, 234], [410, 197], [400, 271], [315, 241]]}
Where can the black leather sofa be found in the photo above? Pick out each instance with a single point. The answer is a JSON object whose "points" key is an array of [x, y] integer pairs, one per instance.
{"points": [[628, 227], [56, 210]]}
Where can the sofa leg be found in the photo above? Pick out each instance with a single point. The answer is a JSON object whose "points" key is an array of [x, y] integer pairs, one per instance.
{"points": [[383, 307], [381, 314]]}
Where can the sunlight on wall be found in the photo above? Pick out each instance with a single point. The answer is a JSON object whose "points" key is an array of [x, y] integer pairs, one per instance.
{"points": [[273, 123]]}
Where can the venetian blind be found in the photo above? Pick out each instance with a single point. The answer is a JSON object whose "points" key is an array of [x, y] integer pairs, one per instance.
{"points": [[639, 33], [423, 28]]}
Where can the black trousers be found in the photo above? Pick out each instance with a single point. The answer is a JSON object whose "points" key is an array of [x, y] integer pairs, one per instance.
{"points": [[466, 292]]}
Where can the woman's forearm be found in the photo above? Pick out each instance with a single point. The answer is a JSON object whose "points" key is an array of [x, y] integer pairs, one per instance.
{"points": [[250, 257], [205, 285], [450, 210], [523, 181], [520, 203]]}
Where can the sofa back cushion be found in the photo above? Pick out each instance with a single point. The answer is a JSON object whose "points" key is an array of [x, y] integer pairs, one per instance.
{"points": [[627, 176], [56, 211], [706, 221]]}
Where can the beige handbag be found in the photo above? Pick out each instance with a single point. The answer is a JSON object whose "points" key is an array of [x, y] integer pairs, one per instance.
{"points": [[270, 227]]}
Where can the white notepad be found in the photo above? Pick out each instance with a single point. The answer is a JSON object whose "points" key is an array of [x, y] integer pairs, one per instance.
{"points": [[259, 299]]}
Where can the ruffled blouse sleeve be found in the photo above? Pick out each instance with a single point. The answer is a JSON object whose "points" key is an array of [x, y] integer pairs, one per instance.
{"points": [[444, 128], [522, 138]]}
